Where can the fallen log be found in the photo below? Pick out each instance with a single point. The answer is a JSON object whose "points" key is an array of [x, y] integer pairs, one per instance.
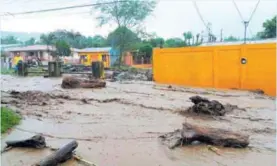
{"points": [[211, 136], [70, 83], [60, 156], [93, 84], [73, 82], [36, 141]]}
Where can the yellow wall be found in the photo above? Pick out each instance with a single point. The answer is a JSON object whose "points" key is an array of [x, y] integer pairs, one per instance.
{"points": [[95, 56], [218, 66]]}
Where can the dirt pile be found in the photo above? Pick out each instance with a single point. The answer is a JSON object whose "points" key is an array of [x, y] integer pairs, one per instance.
{"points": [[211, 136], [74, 82], [205, 106]]}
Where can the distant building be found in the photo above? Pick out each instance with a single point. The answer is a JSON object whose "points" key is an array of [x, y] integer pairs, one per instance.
{"points": [[107, 55], [43, 52], [7, 46]]}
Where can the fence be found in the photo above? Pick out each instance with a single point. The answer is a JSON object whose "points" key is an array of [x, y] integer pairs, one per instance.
{"points": [[251, 66]]}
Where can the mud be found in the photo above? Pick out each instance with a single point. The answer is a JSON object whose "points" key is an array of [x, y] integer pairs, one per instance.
{"points": [[120, 124]]}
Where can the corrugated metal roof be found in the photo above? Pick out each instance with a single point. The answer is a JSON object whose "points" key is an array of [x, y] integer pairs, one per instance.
{"points": [[37, 48], [9, 45], [95, 49], [32, 48]]}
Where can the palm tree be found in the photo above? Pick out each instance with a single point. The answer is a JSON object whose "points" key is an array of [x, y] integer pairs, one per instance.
{"points": [[189, 36], [48, 40], [185, 37]]}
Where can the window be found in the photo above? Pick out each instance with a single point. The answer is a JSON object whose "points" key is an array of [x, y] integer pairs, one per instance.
{"points": [[84, 58], [104, 58]]}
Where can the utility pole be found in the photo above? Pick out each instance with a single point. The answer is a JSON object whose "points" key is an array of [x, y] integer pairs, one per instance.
{"points": [[221, 35], [245, 29], [209, 32]]}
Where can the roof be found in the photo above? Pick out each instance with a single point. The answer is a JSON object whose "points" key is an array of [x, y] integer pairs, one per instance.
{"points": [[32, 48], [95, 49], [36, 48], [9, 45]]}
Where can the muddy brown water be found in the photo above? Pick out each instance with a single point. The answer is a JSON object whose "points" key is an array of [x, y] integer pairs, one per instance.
{"points": [[123, 131]]}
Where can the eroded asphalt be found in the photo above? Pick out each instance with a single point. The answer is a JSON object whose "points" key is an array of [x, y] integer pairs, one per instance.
{"points": [[119, 125]]}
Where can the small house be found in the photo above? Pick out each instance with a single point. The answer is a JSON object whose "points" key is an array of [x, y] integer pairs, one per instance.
{"points": [[104, 54]]}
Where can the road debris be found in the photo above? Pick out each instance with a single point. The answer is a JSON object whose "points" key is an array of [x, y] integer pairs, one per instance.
{"points": [[210, 136], [131, 74], [60, 156], [214, 149], [205, 106], [71, 82], [36, 141]]}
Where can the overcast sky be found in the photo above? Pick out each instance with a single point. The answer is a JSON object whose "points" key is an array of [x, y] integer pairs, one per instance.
{"points": [[170, 18]]}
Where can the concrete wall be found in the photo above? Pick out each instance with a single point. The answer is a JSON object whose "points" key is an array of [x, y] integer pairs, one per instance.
{"points": [[218, 66], [129, 61]]}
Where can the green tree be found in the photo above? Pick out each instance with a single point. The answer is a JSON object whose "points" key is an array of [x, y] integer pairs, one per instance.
{"points": [[97, 41], [10, 40], [146, 50], [116, 38], [62, 48], [126, 15], [174, 42], [74, 39], [156, 42], [31, 41], [231, 38], [47, 39], [189, 37], [269, 29]]}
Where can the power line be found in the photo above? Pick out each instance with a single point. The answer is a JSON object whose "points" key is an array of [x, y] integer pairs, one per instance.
{"points": [[200, 15], [63, 8], [246, 23], [254, 10], [238, 10]]}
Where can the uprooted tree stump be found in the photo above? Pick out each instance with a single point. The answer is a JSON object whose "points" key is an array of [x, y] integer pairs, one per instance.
{"points": [[73, 82], [205, 106], [211, 136], [60, 156], [36, 141]]}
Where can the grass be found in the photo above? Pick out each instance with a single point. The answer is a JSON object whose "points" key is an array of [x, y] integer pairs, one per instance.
{"points": [[33, 71], [6, 71], [8, 119]]}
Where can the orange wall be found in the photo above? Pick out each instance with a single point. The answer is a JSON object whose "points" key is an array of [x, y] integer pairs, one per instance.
{"points": [[218, 66], [128, 59]]}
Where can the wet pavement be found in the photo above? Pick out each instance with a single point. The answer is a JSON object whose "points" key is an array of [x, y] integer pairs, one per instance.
{"points": [[120, 124]]}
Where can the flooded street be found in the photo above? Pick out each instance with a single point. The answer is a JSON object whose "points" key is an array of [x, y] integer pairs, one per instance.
{"points": [[120, 124]]}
